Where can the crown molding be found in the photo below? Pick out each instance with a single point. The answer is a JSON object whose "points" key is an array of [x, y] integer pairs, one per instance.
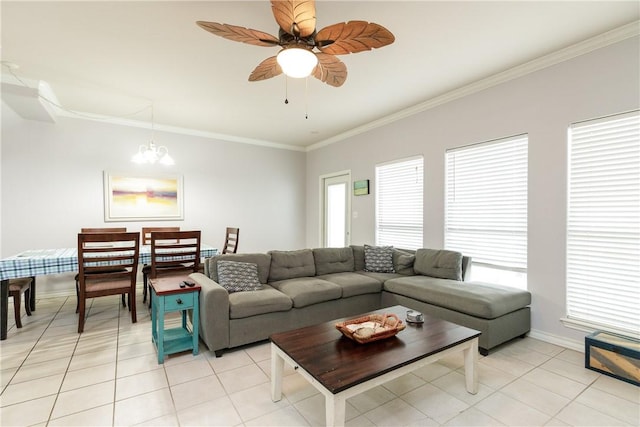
{"points": [[597, 42], [177, 130], [589, 45]]}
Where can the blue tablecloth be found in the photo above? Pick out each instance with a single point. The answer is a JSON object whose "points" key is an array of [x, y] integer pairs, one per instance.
{"points": [[52, 261]]}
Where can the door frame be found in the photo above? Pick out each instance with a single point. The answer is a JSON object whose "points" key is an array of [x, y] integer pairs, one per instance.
{"points": [[321, 192]]}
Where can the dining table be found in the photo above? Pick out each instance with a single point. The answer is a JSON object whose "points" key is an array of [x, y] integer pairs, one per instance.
{"points": [[40, 262]]}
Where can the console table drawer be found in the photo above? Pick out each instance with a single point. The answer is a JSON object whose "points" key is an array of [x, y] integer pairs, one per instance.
{"points": [[180, 301]]}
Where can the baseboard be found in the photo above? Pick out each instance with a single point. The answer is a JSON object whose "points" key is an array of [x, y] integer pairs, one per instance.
{"points": [[557, 340]]}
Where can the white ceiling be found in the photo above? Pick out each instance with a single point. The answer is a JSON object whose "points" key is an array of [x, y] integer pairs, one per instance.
{"points": [[115, 58]]}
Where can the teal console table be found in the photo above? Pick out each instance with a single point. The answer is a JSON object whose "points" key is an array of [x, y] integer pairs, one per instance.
{"points": [[167, 296]]}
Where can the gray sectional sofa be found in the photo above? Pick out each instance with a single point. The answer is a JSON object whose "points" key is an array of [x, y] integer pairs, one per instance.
{"points": [[300, 288]]}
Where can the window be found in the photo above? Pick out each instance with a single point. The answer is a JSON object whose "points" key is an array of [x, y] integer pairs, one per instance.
{"points": [[399, 191], [486, 208], [603, 224]]}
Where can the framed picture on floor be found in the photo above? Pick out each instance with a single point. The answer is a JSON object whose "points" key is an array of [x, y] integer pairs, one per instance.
{"points": [[140, 197]]}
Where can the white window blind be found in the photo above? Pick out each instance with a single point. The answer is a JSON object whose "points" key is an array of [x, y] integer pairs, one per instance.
{"points": [[486, 202], [603, 224], [399, 194]]}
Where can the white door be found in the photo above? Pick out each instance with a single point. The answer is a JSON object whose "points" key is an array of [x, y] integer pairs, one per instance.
{"points": [[336, 211]]}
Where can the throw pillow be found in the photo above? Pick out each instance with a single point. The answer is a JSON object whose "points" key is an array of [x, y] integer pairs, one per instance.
{"points": [[439, 263], [403, 262], [378, 259], [237, 276]]}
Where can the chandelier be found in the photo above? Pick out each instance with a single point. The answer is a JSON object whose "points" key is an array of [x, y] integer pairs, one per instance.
{"points": [[152, 153]]}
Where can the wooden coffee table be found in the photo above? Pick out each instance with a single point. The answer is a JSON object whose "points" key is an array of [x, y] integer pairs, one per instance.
{"points": [[341, 368]]}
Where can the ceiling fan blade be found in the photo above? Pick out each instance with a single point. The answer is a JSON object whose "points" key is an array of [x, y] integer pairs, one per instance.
{"points": [[330, 70], [239, 34], [265, 70], [296, 17], [353, 37]]}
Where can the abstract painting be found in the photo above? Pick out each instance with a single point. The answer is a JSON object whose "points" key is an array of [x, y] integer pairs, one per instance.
{"points": [[132, 197]]}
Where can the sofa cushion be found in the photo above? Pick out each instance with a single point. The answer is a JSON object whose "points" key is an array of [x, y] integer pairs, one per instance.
{"points": [[333, 260], [439, 263], [291, 264], [305, 291], [358, 257], [262, 260], [261, 301], [378, 259], [381, 277], [403, 261], [237, 276], [353, 283], [476, 299]]}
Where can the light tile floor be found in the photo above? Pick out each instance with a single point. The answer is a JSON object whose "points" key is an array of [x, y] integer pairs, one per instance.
{"points": [[109, 375]]}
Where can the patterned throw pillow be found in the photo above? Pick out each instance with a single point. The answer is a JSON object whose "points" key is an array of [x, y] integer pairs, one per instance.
{"points": [[237, 276], [378, 259]]}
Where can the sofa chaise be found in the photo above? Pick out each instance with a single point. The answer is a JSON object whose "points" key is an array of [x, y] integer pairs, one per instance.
{"points": [[247, 297]]}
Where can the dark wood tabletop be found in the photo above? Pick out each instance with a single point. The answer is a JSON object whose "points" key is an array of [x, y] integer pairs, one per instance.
{"points": [[339, 363], [171, 285]]}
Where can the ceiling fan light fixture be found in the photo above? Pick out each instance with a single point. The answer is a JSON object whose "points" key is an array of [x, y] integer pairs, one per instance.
{"points": [[297, 62]]}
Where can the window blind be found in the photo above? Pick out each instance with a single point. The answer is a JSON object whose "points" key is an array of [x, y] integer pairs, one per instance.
{"points": [[603, 224], [399, 195], [486, 202]]}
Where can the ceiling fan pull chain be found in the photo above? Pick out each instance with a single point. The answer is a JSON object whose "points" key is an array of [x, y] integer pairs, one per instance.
{"points": [[286, 89], [306, 98]]}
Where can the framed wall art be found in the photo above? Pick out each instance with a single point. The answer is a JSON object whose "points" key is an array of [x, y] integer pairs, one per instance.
{"points": [[361, 188], [139, 197]]}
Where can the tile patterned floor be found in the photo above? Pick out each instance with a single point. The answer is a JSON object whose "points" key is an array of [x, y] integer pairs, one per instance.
{"points": [[109, 375]]}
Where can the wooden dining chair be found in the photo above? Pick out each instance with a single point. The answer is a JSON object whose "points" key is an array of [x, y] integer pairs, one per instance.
{"points": [[17, 287], [174, 253], [231, 241], [97, 230], [146, 269], [120, 252]]}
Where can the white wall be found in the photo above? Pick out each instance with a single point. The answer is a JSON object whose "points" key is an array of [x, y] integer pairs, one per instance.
{"points": [[52, 185], [542, 104], [51, 174]]}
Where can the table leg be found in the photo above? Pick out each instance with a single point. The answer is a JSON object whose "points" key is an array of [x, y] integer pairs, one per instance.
{"points": [[154, 325], [4, 305], [159, 307], [335, 411], [33, 293], [471, 366], [195, 322], [277, 368]]}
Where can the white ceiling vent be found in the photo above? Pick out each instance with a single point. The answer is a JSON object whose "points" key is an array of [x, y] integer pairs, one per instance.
{"points": [[27, 101]]}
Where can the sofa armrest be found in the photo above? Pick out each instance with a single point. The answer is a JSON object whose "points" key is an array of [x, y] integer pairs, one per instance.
{"points": [[214, 313], [466, 268]]}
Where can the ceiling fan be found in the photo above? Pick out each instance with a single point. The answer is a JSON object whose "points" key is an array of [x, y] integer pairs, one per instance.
{"points": [[298, 37]]}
